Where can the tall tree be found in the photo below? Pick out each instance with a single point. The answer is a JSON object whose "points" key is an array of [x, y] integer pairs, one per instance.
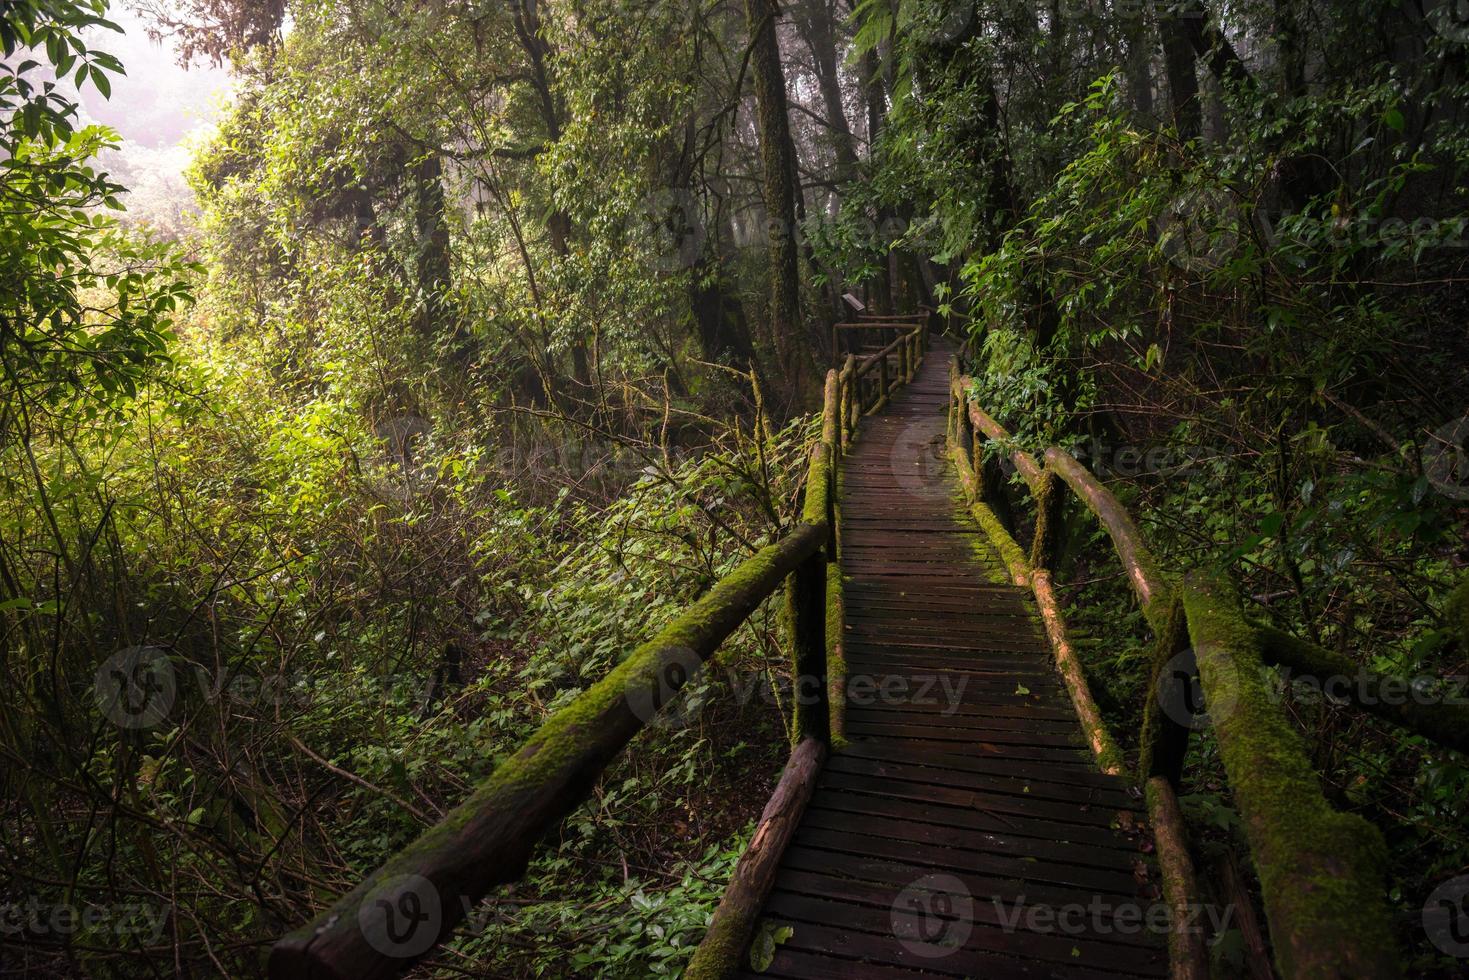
{"points": [[1180, 65], [818, 30], [778, 164]]}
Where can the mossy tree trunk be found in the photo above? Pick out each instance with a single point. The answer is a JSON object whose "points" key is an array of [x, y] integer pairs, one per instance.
{"points": [[778, 163]]}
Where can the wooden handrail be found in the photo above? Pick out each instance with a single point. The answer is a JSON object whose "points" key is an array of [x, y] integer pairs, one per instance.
{"points": [[817, 613], [1321, 871], [729, 932], [1142, 569], [866, 361], [413, 902]]}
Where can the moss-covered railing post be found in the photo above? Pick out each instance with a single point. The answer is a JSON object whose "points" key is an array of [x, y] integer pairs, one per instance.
{"points": [[1048, 509], [806, 614], [1321, 872], [846, 417], [1163, 745], [882, 378]]}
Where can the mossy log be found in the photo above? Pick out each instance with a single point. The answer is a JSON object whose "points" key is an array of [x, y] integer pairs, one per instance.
{"points": [[1027, 465], [1109, 756], [829, 409], [414, 901], [1004, 544], [723, 950], [1186, 957], [1321, 872], [1435, 716], [1137, 561], [836, 658]]}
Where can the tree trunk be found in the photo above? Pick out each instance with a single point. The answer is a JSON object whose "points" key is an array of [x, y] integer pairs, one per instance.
{"points": [[438, 318], [820, 35], [1180, 64], [1140, 65], [778, 161]]}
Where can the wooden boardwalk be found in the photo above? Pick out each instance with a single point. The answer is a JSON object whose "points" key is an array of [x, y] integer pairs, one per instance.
{"points": [[965, 831]]}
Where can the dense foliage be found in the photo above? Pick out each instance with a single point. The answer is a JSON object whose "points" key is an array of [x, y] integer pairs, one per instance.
{"points": [[494, 343]]}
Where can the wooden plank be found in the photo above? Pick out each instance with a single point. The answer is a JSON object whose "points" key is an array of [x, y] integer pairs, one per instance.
{"points": [[985, 915]]}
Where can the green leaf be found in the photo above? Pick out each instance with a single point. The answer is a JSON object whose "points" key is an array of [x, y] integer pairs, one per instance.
{"points": [[762, 950]]}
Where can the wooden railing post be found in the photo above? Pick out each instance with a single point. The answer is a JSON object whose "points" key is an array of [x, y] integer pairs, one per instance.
{"points": [[845, 403], [1172, 681], [806, 611], [1048, 507], [882, 378]]}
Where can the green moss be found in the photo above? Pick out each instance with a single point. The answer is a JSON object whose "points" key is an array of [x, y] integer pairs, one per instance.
{"points": [[1047, 513], [1158, 757], [1011, 554], [1379, 694], [818, 486], [722, 949], [1321, 872], [836, 658], [1110, 758]]}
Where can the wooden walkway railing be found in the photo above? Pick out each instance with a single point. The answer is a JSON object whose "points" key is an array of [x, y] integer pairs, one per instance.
{"points": [[413, 903], [957, 787], [1321, 871]]}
